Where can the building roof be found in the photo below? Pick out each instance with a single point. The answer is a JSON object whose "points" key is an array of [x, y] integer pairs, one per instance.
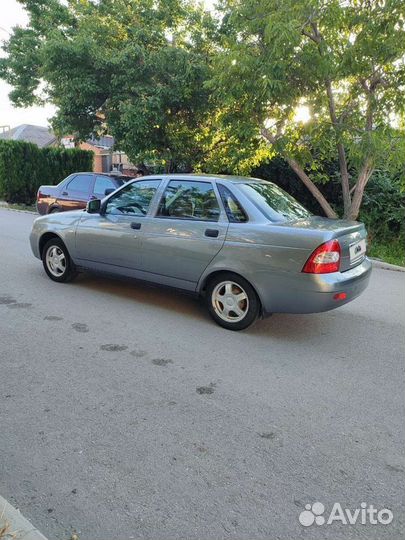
{"points": [[105, 142], [39, 135]]}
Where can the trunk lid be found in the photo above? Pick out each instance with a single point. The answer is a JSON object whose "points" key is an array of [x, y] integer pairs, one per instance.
{"points": [[352, 236], [46, 191]]}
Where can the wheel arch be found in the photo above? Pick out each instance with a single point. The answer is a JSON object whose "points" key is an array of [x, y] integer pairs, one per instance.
{"points": [[45, 238], [202, 288]]}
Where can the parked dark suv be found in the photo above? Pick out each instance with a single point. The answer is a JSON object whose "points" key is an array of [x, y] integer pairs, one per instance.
{"points": [[76, 190]]}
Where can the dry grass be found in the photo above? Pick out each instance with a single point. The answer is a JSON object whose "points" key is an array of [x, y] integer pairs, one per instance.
{"points": [[5, 531], [5, 528]]}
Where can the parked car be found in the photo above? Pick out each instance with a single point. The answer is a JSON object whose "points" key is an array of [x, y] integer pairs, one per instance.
{"points": [[76, 190], [242, 243]]}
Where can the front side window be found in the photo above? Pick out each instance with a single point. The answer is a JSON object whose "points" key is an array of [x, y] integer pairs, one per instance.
{"points": [[233, 208], [185, 199], [80, 183], [101, 184], [269, 198], [133, 199]]}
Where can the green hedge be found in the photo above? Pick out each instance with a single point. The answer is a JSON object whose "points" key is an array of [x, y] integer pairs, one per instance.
{"points": [[24, 167]]}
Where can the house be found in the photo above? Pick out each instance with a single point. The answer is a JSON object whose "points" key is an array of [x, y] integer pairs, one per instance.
{"points": [[39, 135], [102, 149], [106, 159]]}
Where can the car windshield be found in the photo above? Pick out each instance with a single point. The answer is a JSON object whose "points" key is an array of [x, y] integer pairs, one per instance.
{"points": [[271, 199]]}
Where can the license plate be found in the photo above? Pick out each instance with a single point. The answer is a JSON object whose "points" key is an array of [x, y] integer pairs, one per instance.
{"points": [[357, 250]]}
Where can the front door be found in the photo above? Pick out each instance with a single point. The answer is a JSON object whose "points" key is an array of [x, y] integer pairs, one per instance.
{"points": [[113, 238], [188, 230]]}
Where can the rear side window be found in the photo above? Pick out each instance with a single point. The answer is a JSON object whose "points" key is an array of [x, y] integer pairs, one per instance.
{"points": [[80, 183], [101, 184], [185, 199], [233, 208]]}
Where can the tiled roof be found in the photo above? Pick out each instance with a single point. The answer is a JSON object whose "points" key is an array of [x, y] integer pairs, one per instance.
{"points": [[39, 135]]}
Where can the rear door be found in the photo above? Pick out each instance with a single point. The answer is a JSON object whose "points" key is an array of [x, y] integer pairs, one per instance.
{"points": [[101, 184], [187, 231], [76, 192]]}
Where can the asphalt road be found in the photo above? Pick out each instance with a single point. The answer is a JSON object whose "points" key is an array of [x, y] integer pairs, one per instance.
{"points": [[125, 412]]}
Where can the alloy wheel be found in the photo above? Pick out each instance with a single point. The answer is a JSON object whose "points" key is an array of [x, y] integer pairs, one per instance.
{"points": [[55, 261], [230, 301]]}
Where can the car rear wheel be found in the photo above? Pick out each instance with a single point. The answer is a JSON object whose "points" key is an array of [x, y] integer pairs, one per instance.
{"points": [[232, 301], [54, 210], [57, 262]]}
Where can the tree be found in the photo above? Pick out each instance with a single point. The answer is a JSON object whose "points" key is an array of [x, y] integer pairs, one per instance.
{"points": [[133, 68], [343, 61]]}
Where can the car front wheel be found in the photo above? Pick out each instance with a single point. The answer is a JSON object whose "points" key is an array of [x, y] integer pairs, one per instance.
{"points": [[57, 262], [232, 301]]}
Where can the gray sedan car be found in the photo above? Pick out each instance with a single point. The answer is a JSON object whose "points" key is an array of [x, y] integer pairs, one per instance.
{"points": [[242, 243]]}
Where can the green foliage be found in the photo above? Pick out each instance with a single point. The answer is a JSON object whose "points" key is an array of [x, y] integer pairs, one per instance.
{"points": [[185, 89], [134, 69], [383, 209], [390, 250], [25, 166], [344, 61]]}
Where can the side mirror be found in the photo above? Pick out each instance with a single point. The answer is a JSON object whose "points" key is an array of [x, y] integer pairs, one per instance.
{"points": [[93, 206], [108, 191]]}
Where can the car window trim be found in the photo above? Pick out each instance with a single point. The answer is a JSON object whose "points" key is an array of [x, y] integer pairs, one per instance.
{"points": [[129, 183], [219, 185], [63, 183], [213, 185]]}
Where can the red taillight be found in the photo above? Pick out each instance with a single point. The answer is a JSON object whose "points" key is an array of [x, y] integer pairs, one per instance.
{"points": [[340, 296], [325, 259]]}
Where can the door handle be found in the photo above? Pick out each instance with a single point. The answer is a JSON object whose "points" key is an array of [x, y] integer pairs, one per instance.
{"points": [[212, 233], [65, 193], [135, 225]]}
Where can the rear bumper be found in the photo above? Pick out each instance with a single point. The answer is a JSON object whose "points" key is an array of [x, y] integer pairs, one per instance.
{"points": [[311, 293]]}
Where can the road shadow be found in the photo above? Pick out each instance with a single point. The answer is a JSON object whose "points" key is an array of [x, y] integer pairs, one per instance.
{"points": [[166, 298], [278, 326]]}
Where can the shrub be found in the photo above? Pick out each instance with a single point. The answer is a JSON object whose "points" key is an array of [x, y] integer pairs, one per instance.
{"points": [[383, 209], [24, 167]]}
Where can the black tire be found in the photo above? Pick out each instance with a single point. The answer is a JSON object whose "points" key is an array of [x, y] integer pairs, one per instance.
{"points": [[67, 270], [54, 211], [238, 286]]}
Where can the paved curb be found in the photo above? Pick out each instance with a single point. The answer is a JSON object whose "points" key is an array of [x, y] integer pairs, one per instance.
{"points": [[5, 206], [387, 266], [19, 528]]}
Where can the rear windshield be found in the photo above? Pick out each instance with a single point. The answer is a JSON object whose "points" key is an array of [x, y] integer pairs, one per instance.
{"points": [[271, 199], [121, 181]]}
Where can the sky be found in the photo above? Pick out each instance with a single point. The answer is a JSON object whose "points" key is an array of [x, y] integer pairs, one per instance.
{"points": [[12, 14]]}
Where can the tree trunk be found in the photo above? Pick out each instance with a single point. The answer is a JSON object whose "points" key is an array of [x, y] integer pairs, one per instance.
{"points": [[168, 166], [329, 212], [344, 173], [364, 176], [302, 175], [368, 167]]}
